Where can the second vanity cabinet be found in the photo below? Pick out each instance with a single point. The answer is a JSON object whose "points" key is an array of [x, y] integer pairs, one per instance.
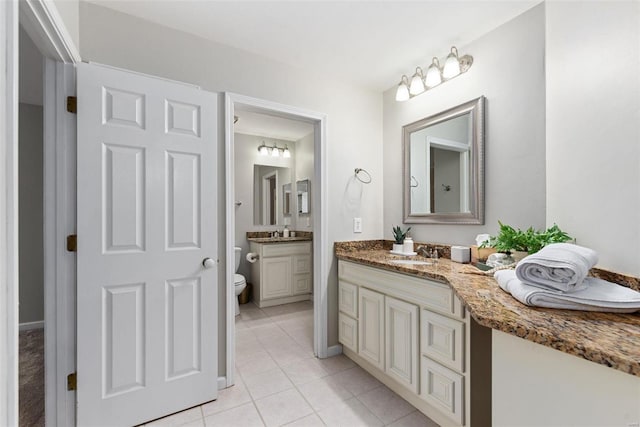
{"points": [[283, 272], [410, 333]]}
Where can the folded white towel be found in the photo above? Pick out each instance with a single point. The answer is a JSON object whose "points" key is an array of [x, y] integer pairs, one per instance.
{"points": [[597, 295], [559, 266]]}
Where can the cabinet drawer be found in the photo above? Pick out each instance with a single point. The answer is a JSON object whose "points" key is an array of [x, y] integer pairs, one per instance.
{"points": [[348, 299], [281, 249], [442, 388], [301, 264], [348, 332], [442, 339]]}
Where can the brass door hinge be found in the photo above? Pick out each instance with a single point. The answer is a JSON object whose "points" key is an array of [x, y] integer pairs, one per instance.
{"points": [[72, 104], [72, 381], [72, 243]]}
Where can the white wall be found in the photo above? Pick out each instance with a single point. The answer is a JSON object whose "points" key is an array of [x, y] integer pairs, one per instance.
{"points": [[593, 127], [508, 69], [556, 388], [31, 66], [30, 149], [69, 10], [353, 124], [304, 170]]}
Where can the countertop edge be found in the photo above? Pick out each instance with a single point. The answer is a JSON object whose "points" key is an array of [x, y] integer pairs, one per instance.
{"points": [[520, 329]]}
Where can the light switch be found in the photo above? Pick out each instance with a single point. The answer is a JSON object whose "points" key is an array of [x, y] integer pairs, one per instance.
{"points": [[357, 225]]}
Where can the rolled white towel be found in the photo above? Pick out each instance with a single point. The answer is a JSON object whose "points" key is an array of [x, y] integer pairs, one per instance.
{"points": [[559, 266], [598, 295]]}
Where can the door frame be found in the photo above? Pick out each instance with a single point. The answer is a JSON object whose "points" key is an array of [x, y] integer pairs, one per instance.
{"points": [[44, 25], [9, 213], [321, 249]]}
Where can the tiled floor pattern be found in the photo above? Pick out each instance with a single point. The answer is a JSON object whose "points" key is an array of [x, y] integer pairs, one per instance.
{"points": [[279, 381]]}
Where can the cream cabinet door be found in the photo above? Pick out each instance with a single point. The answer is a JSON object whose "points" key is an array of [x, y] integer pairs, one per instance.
{"points": [[301, 284], [276, 277], [348, 332], [401, 342], [371, 327]]}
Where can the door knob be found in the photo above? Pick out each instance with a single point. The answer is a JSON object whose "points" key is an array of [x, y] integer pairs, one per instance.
{"points": [[209, 263]]}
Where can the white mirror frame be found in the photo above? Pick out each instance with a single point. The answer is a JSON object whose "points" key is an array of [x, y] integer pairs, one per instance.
{"points": [[475, 215]]}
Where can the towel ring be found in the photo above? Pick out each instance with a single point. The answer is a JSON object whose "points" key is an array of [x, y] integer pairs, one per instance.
{"points": [[413, 179], [366, 180]]}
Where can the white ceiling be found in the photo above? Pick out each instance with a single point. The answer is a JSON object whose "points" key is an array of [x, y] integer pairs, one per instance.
{"points": [[369, 43], [250, 123]]}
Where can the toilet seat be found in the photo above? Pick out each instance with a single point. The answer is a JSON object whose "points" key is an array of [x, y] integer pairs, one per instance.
{"points": [[238, 279]]}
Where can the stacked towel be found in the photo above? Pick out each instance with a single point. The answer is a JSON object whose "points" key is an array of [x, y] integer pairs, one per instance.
{"points": [[559, 266], [556, 277], [596, 295]]}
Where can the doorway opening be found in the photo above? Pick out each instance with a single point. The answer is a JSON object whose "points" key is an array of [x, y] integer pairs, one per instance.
{"points": [[276, 150]]}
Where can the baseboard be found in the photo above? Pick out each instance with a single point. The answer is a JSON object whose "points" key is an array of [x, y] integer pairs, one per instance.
{"points": [[222, 383], [334, 350], [31, 325]]}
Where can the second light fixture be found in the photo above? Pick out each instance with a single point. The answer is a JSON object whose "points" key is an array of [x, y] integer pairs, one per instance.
{"points": [[274, 150]]}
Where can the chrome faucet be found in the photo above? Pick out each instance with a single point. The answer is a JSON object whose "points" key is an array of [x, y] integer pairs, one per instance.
{"points": [[424, 251]]}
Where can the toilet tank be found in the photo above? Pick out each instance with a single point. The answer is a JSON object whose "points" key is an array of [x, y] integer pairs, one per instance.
{"points": [[238, 255]]}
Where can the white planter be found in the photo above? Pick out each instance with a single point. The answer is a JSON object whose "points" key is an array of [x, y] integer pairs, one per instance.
{"points": [[397, 247]]}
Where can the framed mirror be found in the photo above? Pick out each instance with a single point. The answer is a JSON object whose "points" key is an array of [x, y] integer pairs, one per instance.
{"points": [[286, 199], [443, 169], [303, 189], [267, 210]]}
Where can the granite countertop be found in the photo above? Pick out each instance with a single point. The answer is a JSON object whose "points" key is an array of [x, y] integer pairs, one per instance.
{"points": [[279, 239], [605, 338]]}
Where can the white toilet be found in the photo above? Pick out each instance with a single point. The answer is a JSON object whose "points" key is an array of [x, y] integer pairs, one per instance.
{"points": [[238, 279]]}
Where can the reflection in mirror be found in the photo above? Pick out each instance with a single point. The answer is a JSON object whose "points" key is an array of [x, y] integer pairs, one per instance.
{"points": [[286, 199], [304, 196], [266, 181], [443, 166]]}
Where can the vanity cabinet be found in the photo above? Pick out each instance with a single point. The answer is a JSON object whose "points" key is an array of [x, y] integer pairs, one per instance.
{"points": [[282, 274], [412, 334]]}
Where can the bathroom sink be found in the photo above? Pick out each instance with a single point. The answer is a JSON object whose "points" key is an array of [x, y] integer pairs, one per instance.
{"points": [[409, 262]]}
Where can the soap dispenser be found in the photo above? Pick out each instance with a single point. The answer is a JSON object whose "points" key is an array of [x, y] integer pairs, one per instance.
{"points": [[285, 231], [407, 245]]}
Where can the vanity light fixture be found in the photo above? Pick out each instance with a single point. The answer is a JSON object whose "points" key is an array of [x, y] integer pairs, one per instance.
{"points": [[402, 93], [274, 151], [417, 82], [435, 75], [286, 153], [452, 64]]}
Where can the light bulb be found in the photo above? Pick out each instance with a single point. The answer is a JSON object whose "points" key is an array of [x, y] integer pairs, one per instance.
{"points": [[286, 153], [275, 152], [417, 85], [264, 151], [451, 65], [402, 93], [434, 78]]}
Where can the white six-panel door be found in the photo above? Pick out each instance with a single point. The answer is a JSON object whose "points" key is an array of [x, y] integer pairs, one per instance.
{"points": [[147, 218]]}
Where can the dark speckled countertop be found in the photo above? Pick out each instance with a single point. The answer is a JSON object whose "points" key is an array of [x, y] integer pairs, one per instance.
{"points": [[605, 338]]}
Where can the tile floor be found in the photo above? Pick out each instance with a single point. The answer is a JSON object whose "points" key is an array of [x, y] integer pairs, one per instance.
{"points": [[279, 381]]}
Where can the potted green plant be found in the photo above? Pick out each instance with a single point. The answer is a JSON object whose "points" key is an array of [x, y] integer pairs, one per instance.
{"points": [[398, 235], [519, 243]]}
